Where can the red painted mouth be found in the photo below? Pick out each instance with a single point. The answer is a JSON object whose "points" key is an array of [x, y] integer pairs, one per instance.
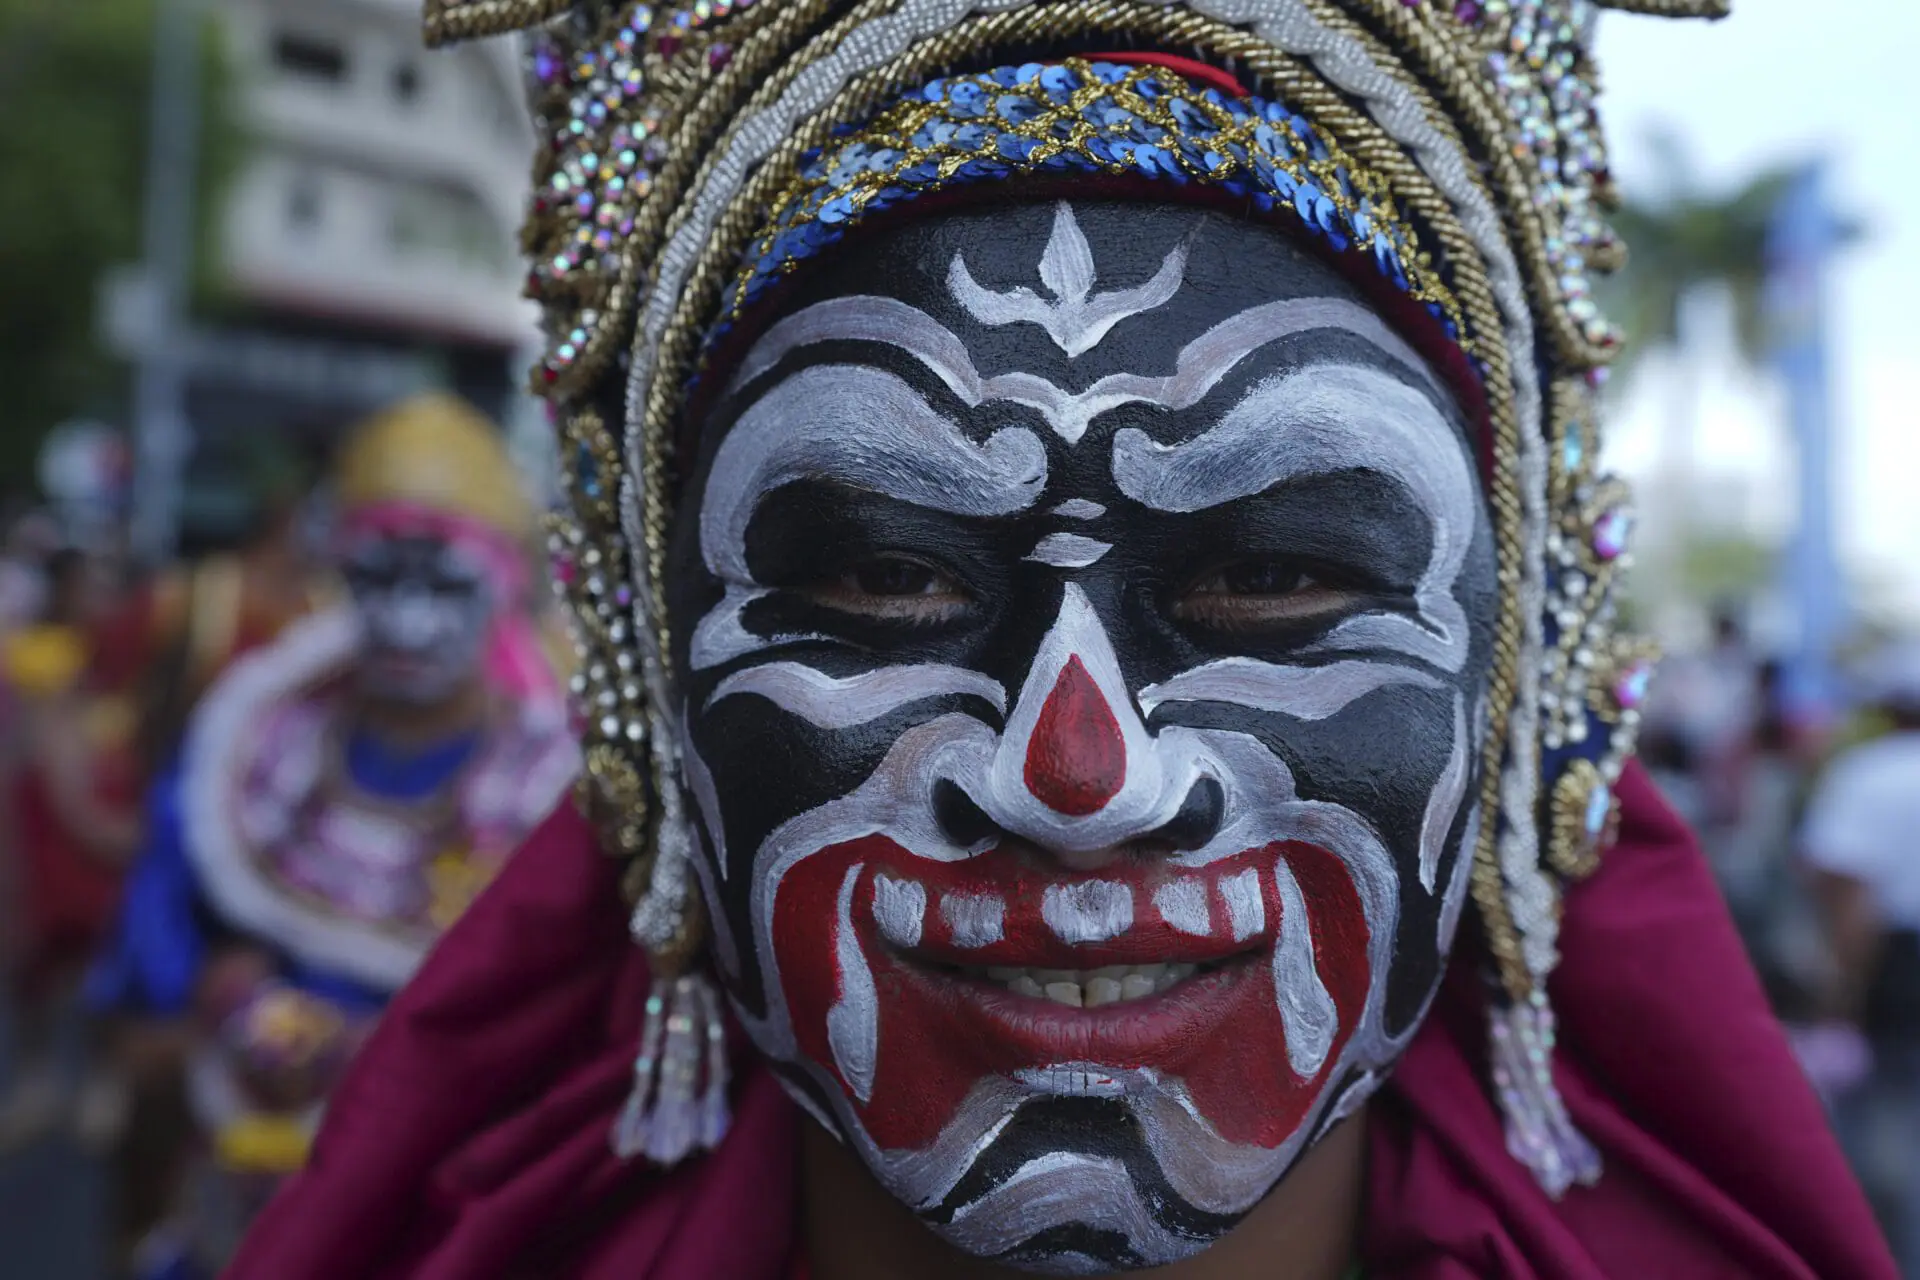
{"points": [[947, 1018]]}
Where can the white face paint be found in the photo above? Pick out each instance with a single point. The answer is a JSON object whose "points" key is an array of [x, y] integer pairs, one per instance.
{"points": [[424, 608], [1085, 838]]}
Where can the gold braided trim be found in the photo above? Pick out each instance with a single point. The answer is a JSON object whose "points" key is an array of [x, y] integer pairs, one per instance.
{"points": [[1450, 74], [761, 67], [447, 21], [1064, 127]]}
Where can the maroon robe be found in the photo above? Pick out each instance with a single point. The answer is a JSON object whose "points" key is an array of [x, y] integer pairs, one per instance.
{"points": [[469, 1142]]}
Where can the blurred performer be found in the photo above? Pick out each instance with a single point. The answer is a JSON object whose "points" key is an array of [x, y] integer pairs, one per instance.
{"points": [[1862, 836], [73, 813], [342, 794], [163, 648], [1103, 647]]}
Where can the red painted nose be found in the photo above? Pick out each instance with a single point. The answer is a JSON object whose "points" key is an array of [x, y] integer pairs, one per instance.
{"points": [[1077, 759]]}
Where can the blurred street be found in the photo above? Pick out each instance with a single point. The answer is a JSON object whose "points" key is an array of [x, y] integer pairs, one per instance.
{"points": [[53, 1200]]}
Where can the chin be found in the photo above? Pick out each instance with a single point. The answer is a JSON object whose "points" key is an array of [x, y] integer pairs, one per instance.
{"points": [[1077, 1074]]}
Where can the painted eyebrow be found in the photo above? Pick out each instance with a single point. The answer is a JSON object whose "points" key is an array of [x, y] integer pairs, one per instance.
{"points": [[866, 428], [1201, 365], [1319, 420]]}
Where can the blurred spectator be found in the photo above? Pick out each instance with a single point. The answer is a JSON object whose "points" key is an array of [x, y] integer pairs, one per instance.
{"points": [[1860, 835], [1750, 843], [73, 815], [30, 537]]}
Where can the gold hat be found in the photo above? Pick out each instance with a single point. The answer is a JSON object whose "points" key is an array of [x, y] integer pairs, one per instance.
{"points": [[439, 452]]}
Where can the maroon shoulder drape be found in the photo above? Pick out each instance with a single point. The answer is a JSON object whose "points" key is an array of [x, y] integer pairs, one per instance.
{"points": [[469, 1141]]}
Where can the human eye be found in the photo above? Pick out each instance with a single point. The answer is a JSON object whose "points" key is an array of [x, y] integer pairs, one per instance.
{"points": [[1261, 593], [893, 587]]}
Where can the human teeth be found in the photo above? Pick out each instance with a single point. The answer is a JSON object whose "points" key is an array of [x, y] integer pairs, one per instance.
{"points": [[1090, 989]]}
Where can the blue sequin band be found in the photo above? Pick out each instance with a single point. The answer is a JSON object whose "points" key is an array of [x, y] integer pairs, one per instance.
{"points": [[1094, 118]]}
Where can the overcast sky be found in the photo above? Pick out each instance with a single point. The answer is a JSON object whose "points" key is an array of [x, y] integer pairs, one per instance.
{"points": [[1780, 79]]}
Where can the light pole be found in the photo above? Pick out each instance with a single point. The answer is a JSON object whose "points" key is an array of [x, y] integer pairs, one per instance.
{"points": [[1802, 241], [162, 435]]}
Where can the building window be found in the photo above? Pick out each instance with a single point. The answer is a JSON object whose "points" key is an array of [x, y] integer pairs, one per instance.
{"points": [[406, 82], [303, 203], [447, 225], [312, 56]]}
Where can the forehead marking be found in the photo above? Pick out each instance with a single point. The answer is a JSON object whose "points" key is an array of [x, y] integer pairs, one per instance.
{"points": [[1077, 318], [1068, 550], [1079, 509], [1201, 365]]}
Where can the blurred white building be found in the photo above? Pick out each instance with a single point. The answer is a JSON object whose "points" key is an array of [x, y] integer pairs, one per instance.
{"points": [[386, 183], [369, 239]]}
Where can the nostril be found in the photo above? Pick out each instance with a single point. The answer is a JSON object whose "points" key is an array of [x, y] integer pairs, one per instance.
{"points": [[964, 822], [1199, 817]]}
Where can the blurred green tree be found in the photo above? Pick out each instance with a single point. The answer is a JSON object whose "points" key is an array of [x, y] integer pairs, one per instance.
{"points": [[74, 83], [1686, 239], [1683, 240]]}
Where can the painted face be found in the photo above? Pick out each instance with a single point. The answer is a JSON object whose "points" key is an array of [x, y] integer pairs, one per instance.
{"points": [[424, 607], [1088, 629]]}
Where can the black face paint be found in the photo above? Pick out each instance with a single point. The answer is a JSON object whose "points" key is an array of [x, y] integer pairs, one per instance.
{"points": [[1087, 625], [424, 607]]}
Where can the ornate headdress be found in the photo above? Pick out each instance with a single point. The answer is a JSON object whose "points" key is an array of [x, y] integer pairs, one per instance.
{"points": [[695, 152]]}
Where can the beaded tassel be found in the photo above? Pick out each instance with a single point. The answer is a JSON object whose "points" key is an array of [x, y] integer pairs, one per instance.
{"points": [[1540, 1134], [669, 1115]]}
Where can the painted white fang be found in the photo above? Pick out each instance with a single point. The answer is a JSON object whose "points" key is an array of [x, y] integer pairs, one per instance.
{"points": [[1089, 911], [1246, 909], [853, 1024], [975, 919], [1306, 1009], [1183, 905], [900, 909]]}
